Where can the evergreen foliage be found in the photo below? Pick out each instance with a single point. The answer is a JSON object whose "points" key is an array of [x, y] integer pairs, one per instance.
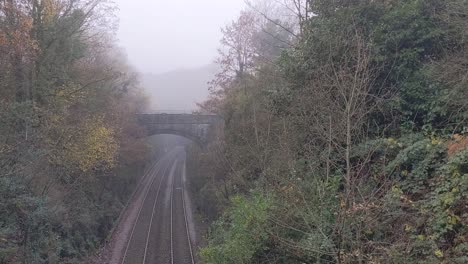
{"points": [[358, 131]]}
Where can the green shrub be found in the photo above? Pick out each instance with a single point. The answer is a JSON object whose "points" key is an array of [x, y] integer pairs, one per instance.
{"points": [[240, 233]]}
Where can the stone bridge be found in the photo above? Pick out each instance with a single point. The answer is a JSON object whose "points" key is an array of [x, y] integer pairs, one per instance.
{"points": [[200, 128]]}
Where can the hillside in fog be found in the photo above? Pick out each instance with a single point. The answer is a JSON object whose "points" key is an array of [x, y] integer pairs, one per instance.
{"points": [[179, 89]]}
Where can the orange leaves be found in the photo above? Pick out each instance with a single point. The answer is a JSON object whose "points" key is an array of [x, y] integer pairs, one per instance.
{"points": [[458, 144], [3, 39], [16, 29], [51, 9]]}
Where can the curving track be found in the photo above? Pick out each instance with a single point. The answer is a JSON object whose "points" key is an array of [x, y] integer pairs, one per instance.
{"points": [[160, 231]]}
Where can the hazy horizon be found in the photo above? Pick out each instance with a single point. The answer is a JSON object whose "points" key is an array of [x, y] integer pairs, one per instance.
{"points": [[156, 41], [179, 89]]}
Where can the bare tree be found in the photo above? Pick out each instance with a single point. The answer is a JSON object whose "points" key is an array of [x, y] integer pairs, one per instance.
{"points": [[237, 54], [290, 15]]}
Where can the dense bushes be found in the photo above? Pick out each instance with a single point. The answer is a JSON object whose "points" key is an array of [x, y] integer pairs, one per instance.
{"points": [[69, 145], [356, 133], [64, 225], [241, 233]]}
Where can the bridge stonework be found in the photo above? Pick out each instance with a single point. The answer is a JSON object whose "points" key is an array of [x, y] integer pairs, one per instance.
{"points": [[200, 128]]}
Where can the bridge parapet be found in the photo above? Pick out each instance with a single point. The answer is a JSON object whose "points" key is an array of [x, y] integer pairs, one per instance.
{"points": [[148, 118], [198, 127]]}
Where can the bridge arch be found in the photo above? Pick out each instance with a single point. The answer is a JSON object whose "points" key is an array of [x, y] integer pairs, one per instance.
{"points": [[196, 127], [190, 136]]}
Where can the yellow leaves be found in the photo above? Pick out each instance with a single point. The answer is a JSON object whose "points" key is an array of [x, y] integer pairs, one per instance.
{"points": [[92, 145], [439, 253], [70, 93], [435, 141], [396, 190], [4, 148], [51, 9], [393, 143], [452, 219], [448, 198], [60, 93], [408, 228], [54, 118], [99, 148]]}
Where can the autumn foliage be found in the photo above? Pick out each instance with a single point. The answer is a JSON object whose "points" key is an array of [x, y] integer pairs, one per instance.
{"points": [[68, 133]]}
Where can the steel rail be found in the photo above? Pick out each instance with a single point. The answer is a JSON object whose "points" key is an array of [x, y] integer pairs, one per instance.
{"points": [[124, 209], [154, 207], [185, 216], [141, 208], [172, 202], [185, 219]]}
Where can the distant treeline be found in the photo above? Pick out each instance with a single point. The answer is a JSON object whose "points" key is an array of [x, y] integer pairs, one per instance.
{"points": [[346, 134]]}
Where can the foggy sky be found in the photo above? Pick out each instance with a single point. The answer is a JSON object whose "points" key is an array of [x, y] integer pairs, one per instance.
{"points": [[163, 35]]}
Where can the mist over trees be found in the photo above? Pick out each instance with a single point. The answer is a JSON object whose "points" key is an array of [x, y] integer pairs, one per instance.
{"points": [[67, 132], [345, 134], [179, 89]]}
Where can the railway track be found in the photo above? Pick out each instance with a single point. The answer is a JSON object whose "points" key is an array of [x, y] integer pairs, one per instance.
{"points": [[137, 243], [140, 187], [181, 245], [160, 233]]}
